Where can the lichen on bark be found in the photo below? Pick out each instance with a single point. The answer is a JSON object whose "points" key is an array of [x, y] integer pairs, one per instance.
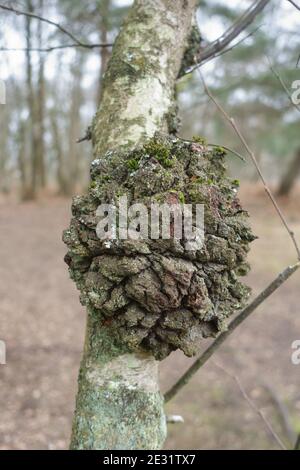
{"points": [[118, 404], [159, 295], [139, 83], [137, 100]]}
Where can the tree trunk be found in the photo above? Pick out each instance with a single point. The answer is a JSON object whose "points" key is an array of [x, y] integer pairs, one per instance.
{"points": [[22, 159], [104, 51], [57, 147], [119, 405], [31, 193], [290, 177], [74, 128], [41, 170], [4, 145]]}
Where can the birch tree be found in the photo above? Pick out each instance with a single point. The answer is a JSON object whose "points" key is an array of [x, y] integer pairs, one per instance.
{"points": [[119, 404], [145, 300]]}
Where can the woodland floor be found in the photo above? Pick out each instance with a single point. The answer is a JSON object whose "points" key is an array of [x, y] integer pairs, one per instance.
{"points": [[42, 323]]}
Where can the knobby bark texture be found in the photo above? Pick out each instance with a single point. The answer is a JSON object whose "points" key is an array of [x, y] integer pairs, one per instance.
{"points": [[119, 405]]}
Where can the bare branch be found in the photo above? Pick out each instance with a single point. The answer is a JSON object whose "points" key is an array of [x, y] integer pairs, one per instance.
{"points": [[77, 42], [298, 8], [283, 413], [88, 136], [243, 315], [294, 4], [228, 149], [259, 412], [228, 49], [213, 49], [52, 48], [281, 81], [253, 158]]}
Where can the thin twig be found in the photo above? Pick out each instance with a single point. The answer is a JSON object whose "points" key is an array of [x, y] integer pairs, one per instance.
{"points": [[228, 36], [228, 149], [234, 152], [251, 403], [243, 315], [253, 158], [63, 30], [88, 136], [222, 52], [283, 413], [281, 81], [52, 48], [294, 4], [228, 49]]}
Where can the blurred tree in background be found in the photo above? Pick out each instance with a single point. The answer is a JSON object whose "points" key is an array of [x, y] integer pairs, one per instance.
{"points": [[52, 96], [242, 79]]}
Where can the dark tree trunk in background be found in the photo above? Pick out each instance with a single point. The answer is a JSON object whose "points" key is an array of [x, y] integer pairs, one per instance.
{"points": [[290, 178], [36, 108], [75, 126], [4, 150], [34, 144], [21, 158], [59, 155], [40, 105]]}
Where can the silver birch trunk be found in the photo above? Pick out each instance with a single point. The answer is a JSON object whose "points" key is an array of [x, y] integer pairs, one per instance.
{"points": [[119, 404]]}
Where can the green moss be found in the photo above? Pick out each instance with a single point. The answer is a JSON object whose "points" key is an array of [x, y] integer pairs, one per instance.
{"points": [[167, 162], [155, 148], [199, 140], [181, 197], [132, 164], [219, 152], [235, 183], [159, 150], [197, 176], [192, 51]]}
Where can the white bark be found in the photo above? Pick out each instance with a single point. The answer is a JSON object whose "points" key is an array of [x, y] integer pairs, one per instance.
{"points": [[119, 405]]}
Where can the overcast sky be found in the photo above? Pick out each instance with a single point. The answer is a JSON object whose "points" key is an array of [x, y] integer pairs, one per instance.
{"points": [[12, 63]]}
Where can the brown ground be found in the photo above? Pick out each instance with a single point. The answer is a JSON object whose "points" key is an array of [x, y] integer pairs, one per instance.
{"points": [[42, 323]]}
